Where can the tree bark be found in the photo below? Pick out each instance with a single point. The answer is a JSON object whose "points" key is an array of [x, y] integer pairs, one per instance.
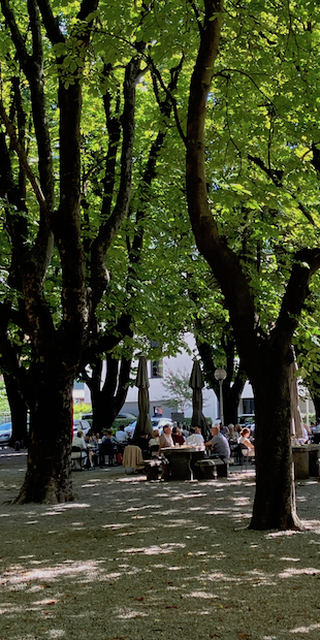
{"points": [[108, 398], [274, 503], [18, 410], [266, 358], [232, 386], [48, 477]]}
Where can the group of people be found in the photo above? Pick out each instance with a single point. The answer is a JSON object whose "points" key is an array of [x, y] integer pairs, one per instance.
{"points": [[111, 447], [218, 445], [97, 449]]}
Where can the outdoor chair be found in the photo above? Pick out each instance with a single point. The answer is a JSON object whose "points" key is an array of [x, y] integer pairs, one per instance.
{"points": [[78, 459], [246, 454], [132, 460], [154, 449]]}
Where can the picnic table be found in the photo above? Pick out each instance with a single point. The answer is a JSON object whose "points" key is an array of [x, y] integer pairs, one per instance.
{"points": [[181, 460]]}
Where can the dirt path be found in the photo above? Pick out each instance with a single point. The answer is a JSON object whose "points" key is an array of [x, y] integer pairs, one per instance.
{"points": [[131, 560]]}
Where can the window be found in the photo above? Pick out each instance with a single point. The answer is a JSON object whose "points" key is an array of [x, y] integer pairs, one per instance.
{"points": [[156, 369], [248, 405]]}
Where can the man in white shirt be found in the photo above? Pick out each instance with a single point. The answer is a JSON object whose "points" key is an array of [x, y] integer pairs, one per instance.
{"points": [[196, 437], [78, 440], [121, 435]]}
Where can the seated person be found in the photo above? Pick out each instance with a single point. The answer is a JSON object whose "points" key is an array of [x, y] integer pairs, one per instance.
{"points": [[165, 439], [196, 436], [108, 448], [90, 452], [224, 430], [177, 436], [94, 448], [244, 439], [121, 435], [79, 442], [218, 443], [154, 443]]}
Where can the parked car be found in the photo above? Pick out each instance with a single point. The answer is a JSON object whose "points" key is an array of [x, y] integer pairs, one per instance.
{"points": [[157, 423], [83, 425], [124, 416], [5, 433], [247, 420]]}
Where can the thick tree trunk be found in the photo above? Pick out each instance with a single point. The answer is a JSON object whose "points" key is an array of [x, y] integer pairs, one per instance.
{"points": [[274, 504], [230, 404], [48, 477]]}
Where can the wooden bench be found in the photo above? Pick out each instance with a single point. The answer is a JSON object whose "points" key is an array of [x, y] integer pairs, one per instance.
{"points": [[152, 468], [206, 468], [222, 467], [211, 466]]}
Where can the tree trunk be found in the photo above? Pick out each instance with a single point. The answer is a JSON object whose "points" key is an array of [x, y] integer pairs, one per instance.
{"points": [[107, 399], [18, 409], [266, 358], [274, 504], [48, 477], [232, 386]]}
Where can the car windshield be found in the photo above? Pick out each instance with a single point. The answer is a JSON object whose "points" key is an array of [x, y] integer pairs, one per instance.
{"points": [[5, 427]]}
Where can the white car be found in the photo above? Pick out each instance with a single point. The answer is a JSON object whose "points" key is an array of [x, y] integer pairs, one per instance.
{"points": [[157, 423], [83, 425]]}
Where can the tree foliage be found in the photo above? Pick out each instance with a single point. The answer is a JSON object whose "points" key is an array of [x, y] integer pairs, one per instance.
{"points": [[177, 386]]}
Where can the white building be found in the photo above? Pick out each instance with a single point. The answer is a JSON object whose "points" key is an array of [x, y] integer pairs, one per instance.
{"points": [[158, 370]]}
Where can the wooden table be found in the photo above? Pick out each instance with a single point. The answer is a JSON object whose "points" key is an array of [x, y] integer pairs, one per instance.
{"points": [[305, 459], [181, 461]]}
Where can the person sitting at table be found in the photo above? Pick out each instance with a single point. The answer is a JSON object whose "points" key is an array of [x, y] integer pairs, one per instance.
{"points": [[79, 442], [121, 435], [196, 436], [218, 443], [244, 440], [89, 444], [177, 436], [108, 448], [154, 443], [165, 439]]}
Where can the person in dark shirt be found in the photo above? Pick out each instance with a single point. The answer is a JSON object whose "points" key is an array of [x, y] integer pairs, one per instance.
{"points": [[177, 436]]}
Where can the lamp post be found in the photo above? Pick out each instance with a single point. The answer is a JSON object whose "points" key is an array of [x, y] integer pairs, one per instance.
{"points": [[220, 375]]}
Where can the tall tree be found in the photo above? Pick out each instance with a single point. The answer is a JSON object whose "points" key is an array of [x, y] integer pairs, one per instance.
{"points": [[58, 341], [79, 75], [266, 350]]}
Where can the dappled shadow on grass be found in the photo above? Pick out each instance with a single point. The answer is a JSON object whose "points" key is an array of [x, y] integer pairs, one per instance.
{"points": [[134, 560]]}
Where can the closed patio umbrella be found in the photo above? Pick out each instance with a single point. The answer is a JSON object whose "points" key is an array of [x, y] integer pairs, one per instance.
{"points": [[143, 425], [196, 383], [296, 419]]}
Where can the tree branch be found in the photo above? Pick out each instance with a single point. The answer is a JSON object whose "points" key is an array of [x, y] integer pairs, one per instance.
{"points": [[23, 159]]}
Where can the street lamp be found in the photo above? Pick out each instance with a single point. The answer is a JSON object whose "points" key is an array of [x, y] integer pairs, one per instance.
{"points": [[220, 375]]}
